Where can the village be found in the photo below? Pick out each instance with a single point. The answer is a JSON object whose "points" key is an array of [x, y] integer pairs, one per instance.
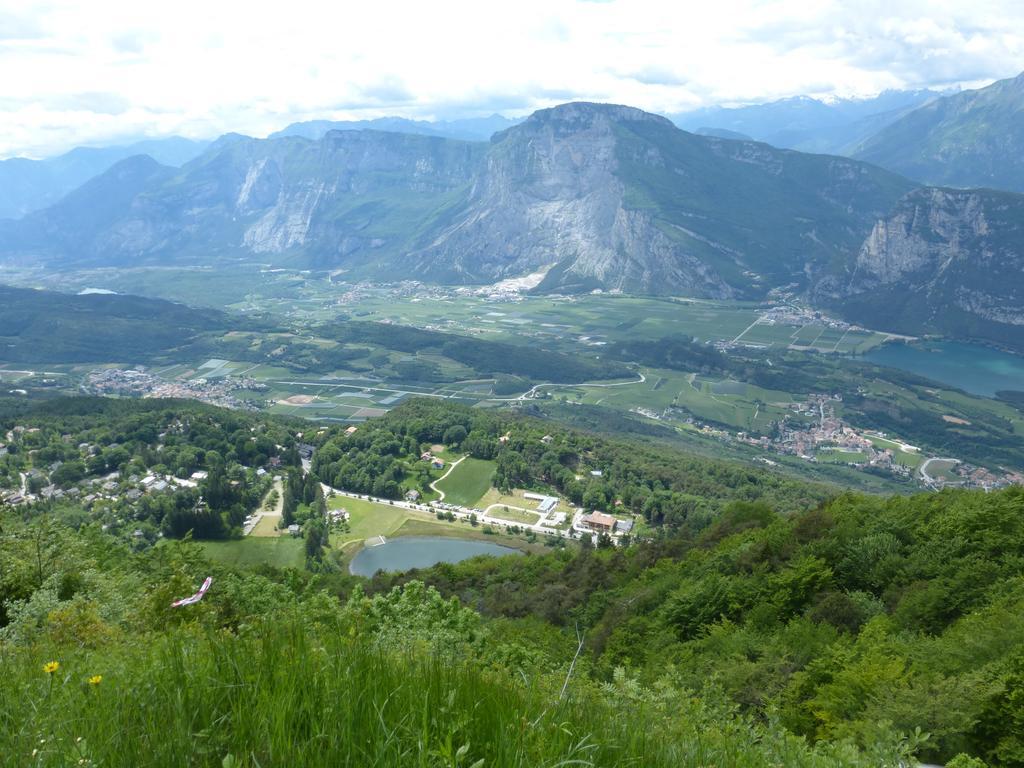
{"points": [[138, 382], [815, 433]]}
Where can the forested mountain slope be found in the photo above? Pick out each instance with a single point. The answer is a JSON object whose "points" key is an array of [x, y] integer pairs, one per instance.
{"points": [[969, 139]]}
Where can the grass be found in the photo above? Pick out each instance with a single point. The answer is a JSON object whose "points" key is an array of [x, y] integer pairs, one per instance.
{"points": [[910, 459], [280, 551], [841, 457], [267, 526], [515, 499], [468, 482], [296, 691], [514, 515], [367, 519]]}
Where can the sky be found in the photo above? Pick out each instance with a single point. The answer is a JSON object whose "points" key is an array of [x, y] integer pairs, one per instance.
{"points": [[105, 71]]}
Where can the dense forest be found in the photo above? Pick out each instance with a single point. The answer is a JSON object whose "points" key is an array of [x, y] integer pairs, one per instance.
{"points": [[844, 622], [47, 327]]}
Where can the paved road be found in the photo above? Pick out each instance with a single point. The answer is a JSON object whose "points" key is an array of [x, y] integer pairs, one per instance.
{"points": [[532, 392], [928, 479]]}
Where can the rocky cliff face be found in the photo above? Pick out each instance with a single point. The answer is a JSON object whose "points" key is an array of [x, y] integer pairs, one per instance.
{"points": [[613, 197], [550, 197], [349, 192], [944, 260]]}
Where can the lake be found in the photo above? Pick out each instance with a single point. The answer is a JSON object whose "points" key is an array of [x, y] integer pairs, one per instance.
{"points": [[421, 552], [970, 367]]}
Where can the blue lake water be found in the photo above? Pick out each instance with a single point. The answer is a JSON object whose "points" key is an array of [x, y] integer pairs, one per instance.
{"points": [[421, 552], [970, 367]]}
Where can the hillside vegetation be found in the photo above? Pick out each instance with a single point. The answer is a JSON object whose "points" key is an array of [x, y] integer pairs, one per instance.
{"points": [[861, 618], [99, 670], [755, 621]]}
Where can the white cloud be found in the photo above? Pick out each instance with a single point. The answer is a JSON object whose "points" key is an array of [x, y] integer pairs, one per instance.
{"points": [[105, 70]]}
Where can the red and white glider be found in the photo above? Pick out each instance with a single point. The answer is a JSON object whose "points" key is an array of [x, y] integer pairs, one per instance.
{"points": [[194, 598]]}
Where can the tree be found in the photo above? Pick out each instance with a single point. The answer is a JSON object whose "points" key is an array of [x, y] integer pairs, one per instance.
{"points": [[454, 435]]}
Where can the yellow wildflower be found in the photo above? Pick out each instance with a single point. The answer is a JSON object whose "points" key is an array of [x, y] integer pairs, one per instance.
{"points": [[95, 679], [51, 666]]}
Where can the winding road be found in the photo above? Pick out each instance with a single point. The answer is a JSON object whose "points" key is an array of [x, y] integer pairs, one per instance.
{"points": [[532, 391]]}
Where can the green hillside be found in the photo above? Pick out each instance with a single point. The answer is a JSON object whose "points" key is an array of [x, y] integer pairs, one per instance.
{"points": [[46, 327], [754, 621], [969, 139]]}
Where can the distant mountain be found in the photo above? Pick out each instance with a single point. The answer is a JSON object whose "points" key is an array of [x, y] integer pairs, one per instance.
{"points": [[29, 185], [611, 197], [807, 124], [353, 196], [971, 139], [587, 196], [943, 261], [723, 133], [596, 196], [468, 129]]}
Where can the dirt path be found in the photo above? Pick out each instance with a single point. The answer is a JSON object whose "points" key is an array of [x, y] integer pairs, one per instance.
{"points": [[451, 466], [265, 523]]}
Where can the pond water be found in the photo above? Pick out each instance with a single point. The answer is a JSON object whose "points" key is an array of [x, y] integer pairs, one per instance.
{"points": [[421, 552], [970, 367]]}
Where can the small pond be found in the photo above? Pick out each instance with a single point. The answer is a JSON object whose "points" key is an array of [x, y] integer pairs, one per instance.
{"points": [[421, 552]]}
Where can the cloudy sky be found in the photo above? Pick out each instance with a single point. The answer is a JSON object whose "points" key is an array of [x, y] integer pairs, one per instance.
{"points": [[105, 70]]}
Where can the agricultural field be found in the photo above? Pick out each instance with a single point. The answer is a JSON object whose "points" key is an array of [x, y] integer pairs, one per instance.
{"points": [[813, 337], [840, 457], [467, 482], [739, 405]]}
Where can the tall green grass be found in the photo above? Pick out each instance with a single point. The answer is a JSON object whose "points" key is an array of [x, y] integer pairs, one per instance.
{"points": [[286, 694]]}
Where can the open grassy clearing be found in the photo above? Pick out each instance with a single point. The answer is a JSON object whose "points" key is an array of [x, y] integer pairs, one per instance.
{"points": [[467, 482], [841, 457], [367, 519], [267, 526], [517, 498], [910, 459], [515, 515], [278, 551]]}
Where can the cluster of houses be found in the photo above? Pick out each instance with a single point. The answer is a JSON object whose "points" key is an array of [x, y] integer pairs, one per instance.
{"points": [[434, 461]]}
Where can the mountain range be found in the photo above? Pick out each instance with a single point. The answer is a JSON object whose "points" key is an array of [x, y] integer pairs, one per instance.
{"points": [[969, 139], [29, 185], [810, 125], [467, 129], [583, 196], [595, 196]]}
